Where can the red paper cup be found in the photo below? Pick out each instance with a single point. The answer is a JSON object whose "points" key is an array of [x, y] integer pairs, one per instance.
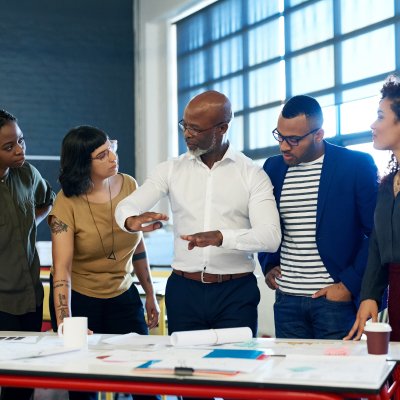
{"points": [[378, 336]]}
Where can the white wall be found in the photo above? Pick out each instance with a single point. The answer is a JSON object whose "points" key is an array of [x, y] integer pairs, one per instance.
{"points": [[155, 81], [155, 108]]}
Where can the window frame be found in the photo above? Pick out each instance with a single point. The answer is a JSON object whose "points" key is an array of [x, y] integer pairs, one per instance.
{"points": [[336, 90]]}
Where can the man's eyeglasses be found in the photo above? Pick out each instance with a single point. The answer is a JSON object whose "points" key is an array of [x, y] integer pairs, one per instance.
{"points": [[291, 140], [105, 154], [193, 131]]}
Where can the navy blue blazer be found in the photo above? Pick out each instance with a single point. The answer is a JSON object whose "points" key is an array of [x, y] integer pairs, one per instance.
{"points": [[345, 211]]}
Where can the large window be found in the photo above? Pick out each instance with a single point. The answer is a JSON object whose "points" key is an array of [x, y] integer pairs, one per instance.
{"points": [[262, 52]]}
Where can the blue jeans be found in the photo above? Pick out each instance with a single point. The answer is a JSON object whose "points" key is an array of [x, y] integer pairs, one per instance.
{"points": [[307, 318]]}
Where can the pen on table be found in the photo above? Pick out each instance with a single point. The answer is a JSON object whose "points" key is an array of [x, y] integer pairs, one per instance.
{"points": [[266, 356], [183, 371], [188, 371]]}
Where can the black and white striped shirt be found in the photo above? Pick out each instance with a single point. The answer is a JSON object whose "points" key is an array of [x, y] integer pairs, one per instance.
{"points": [[303, 272]]}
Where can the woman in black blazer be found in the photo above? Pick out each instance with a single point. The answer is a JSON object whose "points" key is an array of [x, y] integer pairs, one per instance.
{"points": [[383, 266]]}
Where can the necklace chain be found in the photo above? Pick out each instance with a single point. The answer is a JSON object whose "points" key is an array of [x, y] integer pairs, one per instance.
{"points": [[111, 256]]}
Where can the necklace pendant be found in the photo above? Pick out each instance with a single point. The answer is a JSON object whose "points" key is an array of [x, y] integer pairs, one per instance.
{"points": [[112, 256]]}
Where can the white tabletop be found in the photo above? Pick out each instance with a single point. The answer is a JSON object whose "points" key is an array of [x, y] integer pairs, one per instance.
{"points": [[286, 363]]}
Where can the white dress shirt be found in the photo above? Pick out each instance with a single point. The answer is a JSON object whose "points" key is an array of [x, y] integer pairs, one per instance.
{"points": [[235, 197]]}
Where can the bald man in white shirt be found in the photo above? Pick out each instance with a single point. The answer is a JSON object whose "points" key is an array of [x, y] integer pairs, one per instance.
{"points": [[223, 210]]}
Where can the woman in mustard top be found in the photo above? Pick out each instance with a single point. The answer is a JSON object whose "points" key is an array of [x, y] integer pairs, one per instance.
{"points": [[93, 259]]}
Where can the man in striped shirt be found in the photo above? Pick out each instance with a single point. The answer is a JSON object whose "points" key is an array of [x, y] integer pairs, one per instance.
{"points": [[326, 196]]}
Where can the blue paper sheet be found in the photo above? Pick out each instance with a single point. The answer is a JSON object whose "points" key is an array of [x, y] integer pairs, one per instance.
{"points": [[235, 353]]}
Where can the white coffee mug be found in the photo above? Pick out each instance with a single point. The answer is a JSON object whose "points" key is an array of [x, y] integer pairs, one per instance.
{"points": [[74, 332]]}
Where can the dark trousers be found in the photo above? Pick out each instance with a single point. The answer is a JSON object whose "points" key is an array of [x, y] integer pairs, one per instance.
{"points": [[117, 315], [192, 305], [31, 322]]}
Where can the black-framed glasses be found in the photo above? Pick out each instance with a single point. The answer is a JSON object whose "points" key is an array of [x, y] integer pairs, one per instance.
{"points": [[291, 140], [193, 131], [105, 155]]}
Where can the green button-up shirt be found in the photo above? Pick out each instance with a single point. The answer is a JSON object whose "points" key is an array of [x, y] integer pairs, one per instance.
{"points": [[22, 190]]}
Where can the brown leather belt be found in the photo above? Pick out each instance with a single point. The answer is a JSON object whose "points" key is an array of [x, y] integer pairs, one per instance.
{"points": [[205, 277]]}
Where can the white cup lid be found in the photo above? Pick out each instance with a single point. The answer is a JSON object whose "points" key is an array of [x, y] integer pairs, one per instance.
{"points": [[377, 327]]}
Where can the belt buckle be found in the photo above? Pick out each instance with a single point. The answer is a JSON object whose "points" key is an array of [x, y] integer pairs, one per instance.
{"points": [[202, 277]]}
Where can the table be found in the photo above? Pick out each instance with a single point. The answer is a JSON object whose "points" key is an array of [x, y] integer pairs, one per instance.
{"points": [[85, 370]]}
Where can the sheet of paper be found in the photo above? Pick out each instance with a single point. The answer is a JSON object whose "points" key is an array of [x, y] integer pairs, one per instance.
{"points": [[211, 336], [73, 360], [124, 356], [208, 364], [19, 339], [135, 339], [55, 340], [133, 358], [394, 351], [331, 369], [20, 351], [316, 348]]}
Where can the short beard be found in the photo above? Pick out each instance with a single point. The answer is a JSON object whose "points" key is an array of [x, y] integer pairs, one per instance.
{"points": [[199, 152]]}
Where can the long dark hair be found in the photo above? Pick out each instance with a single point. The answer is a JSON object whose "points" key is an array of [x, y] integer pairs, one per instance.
{"points": [[391, 91], [77, 146]]}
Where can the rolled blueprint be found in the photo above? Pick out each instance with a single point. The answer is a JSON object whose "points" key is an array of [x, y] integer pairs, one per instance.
{"points": [[211, 336]]}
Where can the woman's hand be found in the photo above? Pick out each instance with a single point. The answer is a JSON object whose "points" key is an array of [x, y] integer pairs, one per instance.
{"points": [[368, 309], [152, 311]]}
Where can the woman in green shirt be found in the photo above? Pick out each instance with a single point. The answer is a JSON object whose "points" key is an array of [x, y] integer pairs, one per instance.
{"points": [[25, 199]]}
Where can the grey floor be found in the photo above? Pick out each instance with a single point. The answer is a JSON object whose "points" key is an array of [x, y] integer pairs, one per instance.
{"points": [[50, 394]]}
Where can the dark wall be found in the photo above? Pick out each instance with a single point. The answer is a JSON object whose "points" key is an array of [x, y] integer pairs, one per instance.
{"points": [[66, 63]]}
